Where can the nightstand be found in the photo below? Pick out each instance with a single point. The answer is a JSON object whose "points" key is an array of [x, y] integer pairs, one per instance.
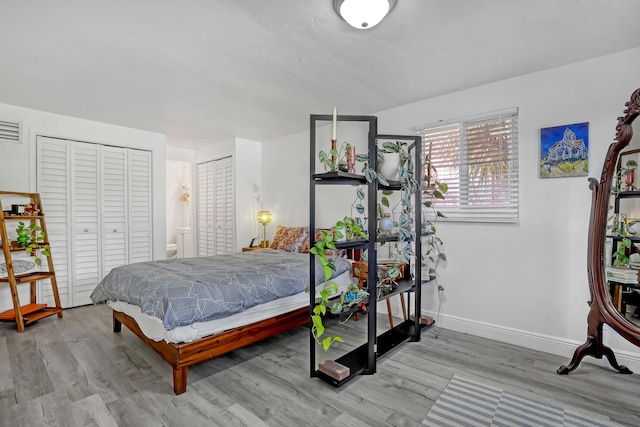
{"points": [[252, 248]]}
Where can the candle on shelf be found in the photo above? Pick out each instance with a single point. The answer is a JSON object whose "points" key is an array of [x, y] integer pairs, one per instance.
{"points": [[335, 119]]}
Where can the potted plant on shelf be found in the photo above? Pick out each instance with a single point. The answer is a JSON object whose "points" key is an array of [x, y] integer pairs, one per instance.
{"points": [[31, 239], [620, 258], [24, 235], [349, 229], [620, 269], [337, 159], [393, 161]]}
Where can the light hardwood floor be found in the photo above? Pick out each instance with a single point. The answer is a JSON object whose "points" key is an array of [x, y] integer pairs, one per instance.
{"points": [[76, 372]]}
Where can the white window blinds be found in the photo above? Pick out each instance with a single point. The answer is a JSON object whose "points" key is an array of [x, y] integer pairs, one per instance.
{"points": [[478, 160]]}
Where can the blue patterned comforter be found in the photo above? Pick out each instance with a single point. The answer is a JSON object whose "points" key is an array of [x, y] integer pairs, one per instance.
{"points": [[188, 290]]}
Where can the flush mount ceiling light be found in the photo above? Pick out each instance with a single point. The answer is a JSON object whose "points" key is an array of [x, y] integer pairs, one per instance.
{"points": [[363, 14]]}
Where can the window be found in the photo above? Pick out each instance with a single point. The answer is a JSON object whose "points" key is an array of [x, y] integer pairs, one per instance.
{"points": [[478, 160]]}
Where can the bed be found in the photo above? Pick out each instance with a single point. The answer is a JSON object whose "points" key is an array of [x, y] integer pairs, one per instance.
{"points": [[193, 309]]}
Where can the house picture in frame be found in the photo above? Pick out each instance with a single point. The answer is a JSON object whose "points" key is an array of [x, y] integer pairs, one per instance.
{"points": [[564, 151]]}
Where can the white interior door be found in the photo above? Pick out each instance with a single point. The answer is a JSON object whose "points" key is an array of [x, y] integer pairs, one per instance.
{"points": [[206, 241], [216, 212], [85, 217], [53, 181], [114, 208], [224, 209], [140, 208]]}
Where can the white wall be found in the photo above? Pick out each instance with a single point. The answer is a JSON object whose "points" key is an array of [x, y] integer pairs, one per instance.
{"points": [[17, 161], [247, 169], [215, 151], [522, 283]]}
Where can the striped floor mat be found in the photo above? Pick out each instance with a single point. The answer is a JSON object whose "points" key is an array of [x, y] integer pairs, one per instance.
{"points": [[466, 402]]}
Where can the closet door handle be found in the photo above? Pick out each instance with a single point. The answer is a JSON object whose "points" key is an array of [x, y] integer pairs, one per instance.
{"points": [[86, 230], [115, 230]]}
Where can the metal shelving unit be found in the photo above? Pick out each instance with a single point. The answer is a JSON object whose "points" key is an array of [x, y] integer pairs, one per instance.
{"points": [[362, 360]]}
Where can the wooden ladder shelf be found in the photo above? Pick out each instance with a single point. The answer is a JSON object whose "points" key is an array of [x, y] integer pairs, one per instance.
{"points": [[25, 315]]}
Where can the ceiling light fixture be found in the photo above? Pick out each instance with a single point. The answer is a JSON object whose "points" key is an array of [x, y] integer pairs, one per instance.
{"points": [[363, 14]]}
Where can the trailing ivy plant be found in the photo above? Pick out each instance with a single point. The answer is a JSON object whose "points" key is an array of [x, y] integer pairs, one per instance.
{"points": [[324, 301], [433, 189], [405, 223]]}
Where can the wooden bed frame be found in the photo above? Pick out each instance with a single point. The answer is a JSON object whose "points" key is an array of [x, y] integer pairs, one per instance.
{"points": [[181, 356]]}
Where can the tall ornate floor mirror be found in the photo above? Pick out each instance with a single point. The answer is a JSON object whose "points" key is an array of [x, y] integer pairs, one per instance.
{"points": [[615, 204]]}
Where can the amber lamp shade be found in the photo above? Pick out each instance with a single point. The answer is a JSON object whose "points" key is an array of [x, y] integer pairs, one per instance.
{"points": [[264, 218]]}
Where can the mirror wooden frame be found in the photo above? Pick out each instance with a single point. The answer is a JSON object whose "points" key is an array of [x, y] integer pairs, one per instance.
{"points": [[601, 308]]}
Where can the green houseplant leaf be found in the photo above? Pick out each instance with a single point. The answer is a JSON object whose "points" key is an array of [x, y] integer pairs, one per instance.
{"points": [[31, 237]]}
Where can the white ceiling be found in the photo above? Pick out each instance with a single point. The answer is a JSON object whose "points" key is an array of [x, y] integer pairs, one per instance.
{"points": [[203, 71]]}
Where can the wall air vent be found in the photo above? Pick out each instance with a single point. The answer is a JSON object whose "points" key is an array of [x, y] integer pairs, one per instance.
{"points": [[10, 131]]}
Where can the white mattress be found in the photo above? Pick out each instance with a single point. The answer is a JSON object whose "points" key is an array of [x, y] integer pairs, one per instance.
{"points": [[153, 329]]}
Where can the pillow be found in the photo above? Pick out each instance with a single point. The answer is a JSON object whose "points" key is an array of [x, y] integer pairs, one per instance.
{"points": [[20, 266], [329, 252], [289, 238]]}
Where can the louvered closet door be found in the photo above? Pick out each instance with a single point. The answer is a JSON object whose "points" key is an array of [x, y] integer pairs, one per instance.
{"points": [[85, 214], [206, 241], [224, 209], [53, 180], [114, 208], [139, 200], [97, 201]]}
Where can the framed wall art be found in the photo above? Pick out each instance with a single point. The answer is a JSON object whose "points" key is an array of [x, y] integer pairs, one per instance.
{"points": [[564, 151]]}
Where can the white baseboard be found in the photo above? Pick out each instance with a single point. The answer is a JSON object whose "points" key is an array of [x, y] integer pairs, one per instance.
{"points": [[549, 344]]}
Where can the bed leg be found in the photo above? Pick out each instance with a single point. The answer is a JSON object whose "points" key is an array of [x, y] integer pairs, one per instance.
{"points": [[180, 380], [117, 325]]}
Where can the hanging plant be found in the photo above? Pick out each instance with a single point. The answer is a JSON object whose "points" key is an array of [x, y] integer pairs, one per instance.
{"points": [[323, 301], [432, 189]]}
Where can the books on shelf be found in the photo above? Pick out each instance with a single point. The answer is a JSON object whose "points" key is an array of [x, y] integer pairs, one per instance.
{"points": [[622, 275]]}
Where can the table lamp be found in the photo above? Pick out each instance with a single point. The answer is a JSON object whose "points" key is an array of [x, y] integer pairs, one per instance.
{"points": [[264, 218]]}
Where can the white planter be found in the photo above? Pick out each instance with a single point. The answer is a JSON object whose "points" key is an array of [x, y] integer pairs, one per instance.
{"points": [[386, 223], [390, 167], [343, 231]]}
